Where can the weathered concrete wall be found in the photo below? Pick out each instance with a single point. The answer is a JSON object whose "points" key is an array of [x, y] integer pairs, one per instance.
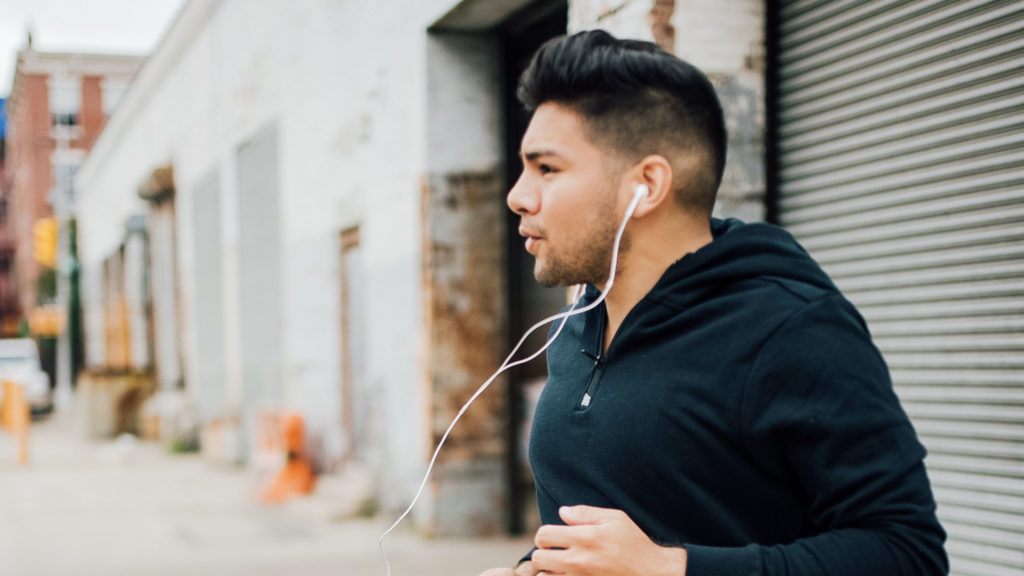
{"points": [[164, 286], [136, 296], [467, 325], [465, 280], [208, 387], [623, 18], [725, 39]]}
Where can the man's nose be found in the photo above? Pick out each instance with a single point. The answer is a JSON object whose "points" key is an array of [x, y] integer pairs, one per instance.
{"points": [[523, 198]]}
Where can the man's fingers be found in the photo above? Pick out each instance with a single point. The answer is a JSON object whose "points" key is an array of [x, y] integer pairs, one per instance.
{"points": [[553, 536], [578, 515], [526, 569], [549, 561]]}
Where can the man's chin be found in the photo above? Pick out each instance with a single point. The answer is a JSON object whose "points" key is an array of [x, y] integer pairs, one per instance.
{"points": [[549, 279], [544, 277], [544, 280]]}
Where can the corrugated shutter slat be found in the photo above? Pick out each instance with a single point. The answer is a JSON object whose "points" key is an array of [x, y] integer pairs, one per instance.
{"points": [[900, 167]]}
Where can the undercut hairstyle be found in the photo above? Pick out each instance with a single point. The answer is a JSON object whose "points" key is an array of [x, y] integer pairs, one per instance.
{"points": [[636, 100]]}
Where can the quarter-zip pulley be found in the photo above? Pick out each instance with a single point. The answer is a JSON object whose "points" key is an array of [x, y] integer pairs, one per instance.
{"points": [[595, 377]]}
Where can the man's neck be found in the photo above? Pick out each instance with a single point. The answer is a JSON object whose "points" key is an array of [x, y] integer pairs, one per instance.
{"points": [[652, 250]]}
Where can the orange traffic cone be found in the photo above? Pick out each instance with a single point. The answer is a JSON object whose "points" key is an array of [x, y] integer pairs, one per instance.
{"points": [[14, 416], [296, 477]]}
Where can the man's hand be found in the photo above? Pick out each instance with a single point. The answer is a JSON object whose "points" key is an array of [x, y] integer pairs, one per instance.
{"points": [[524, 569], [602, 542]]}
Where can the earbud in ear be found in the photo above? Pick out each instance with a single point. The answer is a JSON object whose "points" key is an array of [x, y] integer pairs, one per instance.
{"points": [[642, 191]]}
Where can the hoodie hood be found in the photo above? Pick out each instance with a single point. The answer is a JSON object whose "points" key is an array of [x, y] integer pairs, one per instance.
{"points": [[740, 253], [746, 271]]}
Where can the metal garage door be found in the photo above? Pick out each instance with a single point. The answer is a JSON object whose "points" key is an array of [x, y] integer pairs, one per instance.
{"points": [[900, 166]]}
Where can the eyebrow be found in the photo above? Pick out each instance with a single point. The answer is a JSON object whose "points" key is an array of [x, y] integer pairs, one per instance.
{"points": [[535, 154]]}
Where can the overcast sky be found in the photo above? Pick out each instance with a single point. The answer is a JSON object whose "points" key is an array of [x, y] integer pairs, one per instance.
{"points": [[118, 26]]}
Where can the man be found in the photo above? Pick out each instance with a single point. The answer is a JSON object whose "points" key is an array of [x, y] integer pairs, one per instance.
{"points": [[724, 410]]}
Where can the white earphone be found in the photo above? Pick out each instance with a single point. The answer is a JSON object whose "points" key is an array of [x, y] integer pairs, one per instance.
{"points": [[641, 192]]}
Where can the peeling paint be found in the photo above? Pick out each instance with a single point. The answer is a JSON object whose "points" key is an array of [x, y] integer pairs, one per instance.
{"points": [[467, 261], [465, 281], [662, 29], [743, 184]]}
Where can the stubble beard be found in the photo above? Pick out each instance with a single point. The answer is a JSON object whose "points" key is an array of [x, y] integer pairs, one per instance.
{"points": [[587, 259]]}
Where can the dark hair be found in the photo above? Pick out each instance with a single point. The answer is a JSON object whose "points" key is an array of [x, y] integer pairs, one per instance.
{"points": [[636, 98]]}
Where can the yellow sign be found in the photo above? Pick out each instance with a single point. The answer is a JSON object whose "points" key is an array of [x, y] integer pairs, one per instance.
{"points": [[15, 415], [47, 320], [44, 233]]}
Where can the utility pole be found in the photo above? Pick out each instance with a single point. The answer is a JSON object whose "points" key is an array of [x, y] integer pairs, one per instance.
{"points": [[61, 200]]}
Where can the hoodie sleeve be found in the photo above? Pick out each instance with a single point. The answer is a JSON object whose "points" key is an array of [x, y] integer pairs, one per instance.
{"points": [[819, 408]]}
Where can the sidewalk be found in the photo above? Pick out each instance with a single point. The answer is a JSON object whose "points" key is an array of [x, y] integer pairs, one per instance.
{"points": [[116, 509]]}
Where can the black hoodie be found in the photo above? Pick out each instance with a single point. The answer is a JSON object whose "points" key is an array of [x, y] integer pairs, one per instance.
{"points": [[741, 411]]}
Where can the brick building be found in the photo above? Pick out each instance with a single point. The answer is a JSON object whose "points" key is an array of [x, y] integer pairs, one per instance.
{"points": [[57, 107], [10, 311]]}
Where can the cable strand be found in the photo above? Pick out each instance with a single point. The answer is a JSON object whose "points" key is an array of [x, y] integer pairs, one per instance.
{"points": [[507, 364]]}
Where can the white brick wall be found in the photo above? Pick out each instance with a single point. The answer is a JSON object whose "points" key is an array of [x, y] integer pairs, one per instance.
{"points": [[721, 36], [725, 39], [623, 18]]}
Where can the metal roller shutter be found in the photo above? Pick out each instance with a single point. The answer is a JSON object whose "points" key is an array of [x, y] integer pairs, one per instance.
{"points": [[900, 166]]}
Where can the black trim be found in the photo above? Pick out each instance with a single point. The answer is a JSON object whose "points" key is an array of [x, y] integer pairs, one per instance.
{"points": [[771, 96], [521, 34]]}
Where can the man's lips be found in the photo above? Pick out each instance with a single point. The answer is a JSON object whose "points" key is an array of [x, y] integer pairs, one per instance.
{"points": [[531, 240]]}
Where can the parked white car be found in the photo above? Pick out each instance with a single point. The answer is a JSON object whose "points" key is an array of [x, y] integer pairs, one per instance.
{"points": [[19, 363]]}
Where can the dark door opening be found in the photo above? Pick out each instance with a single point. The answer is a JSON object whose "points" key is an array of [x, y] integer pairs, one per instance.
{"points": [[528, 301]]}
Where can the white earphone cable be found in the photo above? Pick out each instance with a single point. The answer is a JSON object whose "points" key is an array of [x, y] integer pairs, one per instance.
{"points": [[564, 317]]}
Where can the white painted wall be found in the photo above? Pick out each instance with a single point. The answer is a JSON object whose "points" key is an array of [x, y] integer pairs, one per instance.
{"points": [[624, 19], [136, 299], [720, 36], [345, 84], [725, 39]]}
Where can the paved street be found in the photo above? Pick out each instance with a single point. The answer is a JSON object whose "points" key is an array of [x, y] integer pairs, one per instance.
{"points": [[111, 509]]}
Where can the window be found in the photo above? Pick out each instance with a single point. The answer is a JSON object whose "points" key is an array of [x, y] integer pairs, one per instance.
{"points": [[65, 101], [64, 165]]}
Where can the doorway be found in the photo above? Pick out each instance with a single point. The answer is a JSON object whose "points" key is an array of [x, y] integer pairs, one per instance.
{"points": [[478, 281], [528, 301]]}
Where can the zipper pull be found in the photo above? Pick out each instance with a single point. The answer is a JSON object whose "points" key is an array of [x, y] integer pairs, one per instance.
{"points": [[588, 395]]}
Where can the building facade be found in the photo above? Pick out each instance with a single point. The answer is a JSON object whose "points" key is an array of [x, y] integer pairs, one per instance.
{"points": [[10, 310], [325, 228], [58, 105]]}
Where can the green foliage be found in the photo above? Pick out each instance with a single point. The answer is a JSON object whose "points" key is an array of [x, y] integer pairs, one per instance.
{"points": [[46, 286], [183, 445]]}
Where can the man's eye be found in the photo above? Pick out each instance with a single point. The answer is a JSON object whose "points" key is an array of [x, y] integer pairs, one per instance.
{"points": [[545, 169]]}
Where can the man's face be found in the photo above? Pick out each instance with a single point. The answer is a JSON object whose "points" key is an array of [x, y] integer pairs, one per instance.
{"points": [[566, 197]]}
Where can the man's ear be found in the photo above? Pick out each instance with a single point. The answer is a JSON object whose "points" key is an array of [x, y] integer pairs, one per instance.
{"points": [[655, 173]]}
